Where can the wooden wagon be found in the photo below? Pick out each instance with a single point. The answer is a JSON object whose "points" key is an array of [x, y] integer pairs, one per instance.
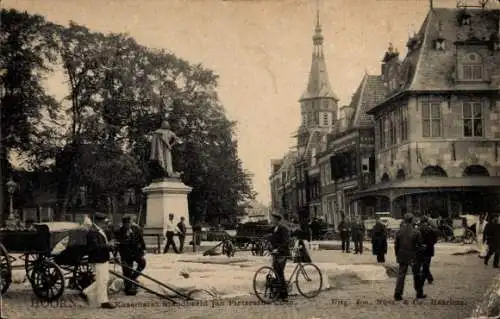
{"points": [[52, 254]]}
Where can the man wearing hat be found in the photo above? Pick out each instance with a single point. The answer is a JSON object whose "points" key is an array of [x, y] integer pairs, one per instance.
{"points": [[408, 248], [429, 237], [280, 243], [172, 229], [132, 250], [98, 251]]}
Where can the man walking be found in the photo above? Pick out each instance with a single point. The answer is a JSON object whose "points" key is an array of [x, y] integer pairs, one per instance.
{"points": [[98, 251], [182, 234], [358, 234], [171, 231], [132, 250], [492, 239], [429, 238], [379, 240], [280, 243], [408, 249], [344, 230]]}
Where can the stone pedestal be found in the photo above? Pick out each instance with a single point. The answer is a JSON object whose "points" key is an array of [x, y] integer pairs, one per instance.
{"points": [[164, 197]]}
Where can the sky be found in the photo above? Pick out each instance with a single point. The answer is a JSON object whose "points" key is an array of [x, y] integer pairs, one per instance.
{"points": [[260, 49]]}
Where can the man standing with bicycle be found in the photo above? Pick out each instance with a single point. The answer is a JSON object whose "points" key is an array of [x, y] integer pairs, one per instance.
{"points": [[280, 243]]}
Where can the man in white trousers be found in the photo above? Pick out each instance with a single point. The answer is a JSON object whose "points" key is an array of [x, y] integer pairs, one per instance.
{"points": [[98, 254]]}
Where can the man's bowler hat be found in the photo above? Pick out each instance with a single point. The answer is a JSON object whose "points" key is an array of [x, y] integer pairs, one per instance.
{"points": [[100, 217], [277, 216]]}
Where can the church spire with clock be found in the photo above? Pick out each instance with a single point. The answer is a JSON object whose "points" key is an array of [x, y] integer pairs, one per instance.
{"points": [[318, 104]]}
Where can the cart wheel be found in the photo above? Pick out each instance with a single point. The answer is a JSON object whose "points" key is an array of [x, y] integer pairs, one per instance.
{"points": [[47, 280], [5, 270], [83, 276], [29, 264]]}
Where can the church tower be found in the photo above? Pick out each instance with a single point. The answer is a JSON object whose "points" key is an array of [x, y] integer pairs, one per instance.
{"points": [[318, 104]]}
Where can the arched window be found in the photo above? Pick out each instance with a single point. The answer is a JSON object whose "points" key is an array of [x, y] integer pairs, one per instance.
{"points": [[434, 171], [475, 170], [472, 67], [385, 178], [401, 175]]}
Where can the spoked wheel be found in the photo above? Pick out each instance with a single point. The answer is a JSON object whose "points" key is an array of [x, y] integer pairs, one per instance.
{"points": [[83, 276], [29, 264], [266, 285], [47, 280], [5, 270], [309, 280]]}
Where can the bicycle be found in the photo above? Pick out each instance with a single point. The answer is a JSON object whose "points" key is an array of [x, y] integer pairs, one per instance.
{"points": [[272, 284]]}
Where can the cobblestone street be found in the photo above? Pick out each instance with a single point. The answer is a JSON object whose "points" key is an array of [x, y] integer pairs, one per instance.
{"points": [[458, 282]]}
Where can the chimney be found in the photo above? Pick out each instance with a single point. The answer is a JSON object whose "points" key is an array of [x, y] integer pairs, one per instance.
{"points": [[389, 57]]}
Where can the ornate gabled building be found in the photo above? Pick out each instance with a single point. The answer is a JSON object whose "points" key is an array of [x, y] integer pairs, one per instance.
{"points": [[318, 107], [438, 128], [347, 161]]}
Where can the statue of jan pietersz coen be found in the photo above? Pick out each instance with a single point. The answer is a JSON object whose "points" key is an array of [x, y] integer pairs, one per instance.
{"points": [[162, 142]]}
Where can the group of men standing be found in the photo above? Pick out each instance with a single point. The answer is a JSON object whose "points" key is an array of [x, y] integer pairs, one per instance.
{"points": [[102, 241], [354, 231], [414, 247], [172, 230]]}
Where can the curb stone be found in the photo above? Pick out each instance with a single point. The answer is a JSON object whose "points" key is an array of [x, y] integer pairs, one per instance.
{"points": [[489, 306]]}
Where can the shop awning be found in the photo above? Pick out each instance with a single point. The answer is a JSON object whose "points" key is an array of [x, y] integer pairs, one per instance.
{"points": [[428, 185]]}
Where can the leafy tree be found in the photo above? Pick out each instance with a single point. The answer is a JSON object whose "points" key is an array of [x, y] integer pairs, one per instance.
{"points": [[26, 50]]}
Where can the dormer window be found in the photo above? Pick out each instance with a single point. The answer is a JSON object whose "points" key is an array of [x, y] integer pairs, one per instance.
{"points": [[439, 44], [472, 68], [464, 18]]}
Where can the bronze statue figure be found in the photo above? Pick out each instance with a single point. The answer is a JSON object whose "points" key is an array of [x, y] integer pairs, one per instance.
{"points": [[161, 148]]}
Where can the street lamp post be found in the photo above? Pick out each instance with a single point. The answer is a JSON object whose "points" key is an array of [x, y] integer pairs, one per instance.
{"points": [[11, 188]]}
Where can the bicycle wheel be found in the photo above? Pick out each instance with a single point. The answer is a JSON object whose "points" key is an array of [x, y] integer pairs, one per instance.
{"points": [[313, 280], [265, 284]]}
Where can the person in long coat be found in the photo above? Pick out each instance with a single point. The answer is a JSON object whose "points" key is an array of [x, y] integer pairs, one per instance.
{"points": [[492, 239], [480, 225], [379, 241], [358, 235]]}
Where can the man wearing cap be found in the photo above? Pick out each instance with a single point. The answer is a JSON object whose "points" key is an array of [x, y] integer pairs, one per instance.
{"points": [[132, 249], [98, 251], [182, 233], [280, 243], [429, 237], [172, 229], [408, 248]]}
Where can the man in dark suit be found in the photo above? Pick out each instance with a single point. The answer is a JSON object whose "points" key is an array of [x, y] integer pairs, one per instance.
{"points": [[98, 250], [358, 235], [132, 249], [379, 241], [345, 233], [182, 233], [492, 239], [429, 237], [280, 243], [408, 248]]}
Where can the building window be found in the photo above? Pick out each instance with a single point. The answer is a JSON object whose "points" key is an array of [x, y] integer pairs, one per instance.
{"points": [[472, 68], [397, 125], [392, 129], [324, 119], [473, 119], [404, 124], [431, 119], [325, 104], [380, 127], [386, 131]]}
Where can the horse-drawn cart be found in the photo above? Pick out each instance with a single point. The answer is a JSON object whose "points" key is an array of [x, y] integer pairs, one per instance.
{"points": [[52, 254]]}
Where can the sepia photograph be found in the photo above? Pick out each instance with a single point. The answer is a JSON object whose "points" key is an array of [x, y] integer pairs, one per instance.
{"points": [[302, 159]]}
